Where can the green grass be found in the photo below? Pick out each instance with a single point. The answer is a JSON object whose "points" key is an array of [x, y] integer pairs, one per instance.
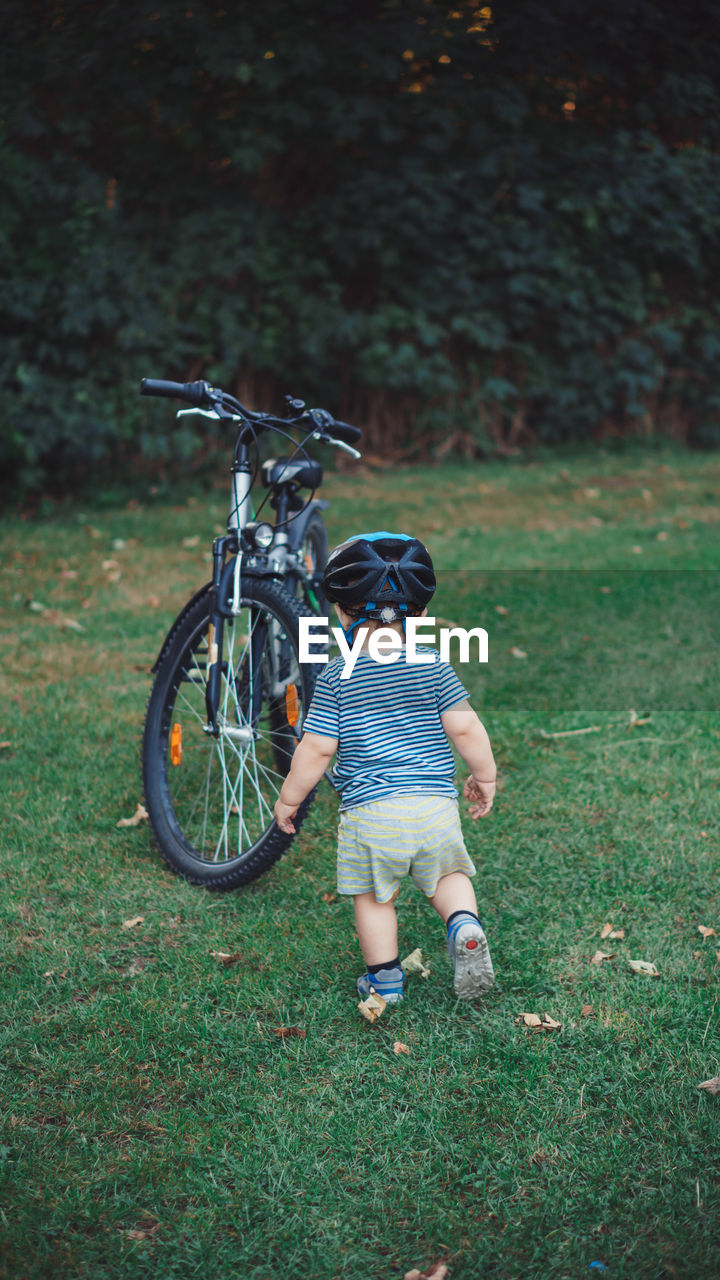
{"points": [[153, 1123]]}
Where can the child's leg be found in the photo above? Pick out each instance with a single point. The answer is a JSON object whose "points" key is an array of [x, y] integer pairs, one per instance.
{"points": [[376, 924], [454, 900], [454, 892], [377, 930]]}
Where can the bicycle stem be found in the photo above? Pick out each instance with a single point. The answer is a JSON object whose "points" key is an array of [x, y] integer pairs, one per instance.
{"points": [[240, 506]]}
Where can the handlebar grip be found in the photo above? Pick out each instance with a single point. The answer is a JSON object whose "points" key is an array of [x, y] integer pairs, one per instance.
{"points": [[345, 432], [195, 393]]}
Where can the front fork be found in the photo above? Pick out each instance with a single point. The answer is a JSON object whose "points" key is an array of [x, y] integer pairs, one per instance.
{"points": [[226, 585], [215, 636]]}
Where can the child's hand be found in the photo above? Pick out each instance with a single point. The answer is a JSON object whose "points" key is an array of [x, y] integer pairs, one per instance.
{"points": [[481, 796], [283, 815]]}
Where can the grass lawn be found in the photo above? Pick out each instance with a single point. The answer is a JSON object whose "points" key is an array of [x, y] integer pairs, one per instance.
{"points": [[153, 1121]]}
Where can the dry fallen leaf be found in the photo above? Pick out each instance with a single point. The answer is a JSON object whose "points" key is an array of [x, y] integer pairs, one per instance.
{"points": [[500, 608], [535, 1023], [147, 1229], [414, 964], [550, 1024], [600, 956], [226, 957], [399, 1047], [132, 922], [617, 933], [191, 542], [286, 1032], [436, 1271], [140, 815], [328, 897], [592, 493], [712, 1086], [606, 930], [372, 1007], [705, 931], [518, 653], [644, 966], [540, 1157], [586, 1010]]}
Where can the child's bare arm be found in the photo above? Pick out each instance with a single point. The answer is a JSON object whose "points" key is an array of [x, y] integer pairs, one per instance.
{"points": [[469, 737], [312, 757]]}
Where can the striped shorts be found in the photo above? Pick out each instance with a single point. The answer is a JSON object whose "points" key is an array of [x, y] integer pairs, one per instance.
{"points": [[381, 842]]}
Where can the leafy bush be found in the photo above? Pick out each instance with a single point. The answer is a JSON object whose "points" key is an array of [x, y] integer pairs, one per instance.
{"points": [[455, 225]]}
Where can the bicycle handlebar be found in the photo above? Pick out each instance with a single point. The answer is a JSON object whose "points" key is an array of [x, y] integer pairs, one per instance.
{"points": [[344, 431], [202, 394], [195, 393]]}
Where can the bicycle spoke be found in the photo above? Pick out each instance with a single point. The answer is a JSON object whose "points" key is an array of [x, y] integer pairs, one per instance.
{"points": [[233, 775]]}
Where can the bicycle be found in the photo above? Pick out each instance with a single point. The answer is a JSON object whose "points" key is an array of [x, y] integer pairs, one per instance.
{"points": [[226, 707]]}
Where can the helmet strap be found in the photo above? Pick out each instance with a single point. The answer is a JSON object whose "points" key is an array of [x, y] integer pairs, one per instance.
{"points": [[365, 617], [349, 633]]}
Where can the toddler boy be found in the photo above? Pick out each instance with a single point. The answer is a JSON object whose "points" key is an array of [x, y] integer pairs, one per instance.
{"points": [[390, 725]]}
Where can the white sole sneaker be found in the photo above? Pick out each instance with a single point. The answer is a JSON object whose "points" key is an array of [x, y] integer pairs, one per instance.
{"points": [[470, 955]]}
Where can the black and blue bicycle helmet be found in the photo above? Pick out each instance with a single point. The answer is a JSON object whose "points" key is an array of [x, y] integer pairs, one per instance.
{"points": [[384, 575]]}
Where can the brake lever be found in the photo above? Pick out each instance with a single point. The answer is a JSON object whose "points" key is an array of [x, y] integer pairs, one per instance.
{"points": [[340, 444], [347, 448], [208, 413]]}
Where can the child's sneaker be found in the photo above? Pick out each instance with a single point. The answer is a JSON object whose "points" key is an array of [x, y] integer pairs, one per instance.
{"points": [[387, 983], [470, 955]]}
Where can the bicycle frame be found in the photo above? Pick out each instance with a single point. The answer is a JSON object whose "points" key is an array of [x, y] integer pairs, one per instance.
{"points": [[247, 558], [226, 585]]}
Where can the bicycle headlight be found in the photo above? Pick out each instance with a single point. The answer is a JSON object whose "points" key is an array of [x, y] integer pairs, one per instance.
{"points": [[261, 535]]}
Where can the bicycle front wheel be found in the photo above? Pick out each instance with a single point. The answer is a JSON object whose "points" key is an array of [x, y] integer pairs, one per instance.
{"points": [[314, 550], [210, 797]]}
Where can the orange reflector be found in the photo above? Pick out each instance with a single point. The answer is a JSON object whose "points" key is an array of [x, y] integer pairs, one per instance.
{"points": [[309, 562], [176, 744], [292, 704]]}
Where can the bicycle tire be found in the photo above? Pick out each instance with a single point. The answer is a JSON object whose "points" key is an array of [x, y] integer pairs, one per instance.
{"points": [[175, 793], [315, 551]]}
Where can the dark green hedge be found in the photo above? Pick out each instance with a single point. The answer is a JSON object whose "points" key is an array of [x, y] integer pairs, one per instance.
{"points": [[450, 223]]}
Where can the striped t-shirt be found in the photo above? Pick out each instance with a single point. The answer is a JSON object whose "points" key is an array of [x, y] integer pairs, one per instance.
{"points": [[387, 722]]}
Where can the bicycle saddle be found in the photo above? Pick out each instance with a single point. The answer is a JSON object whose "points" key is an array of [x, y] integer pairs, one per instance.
{"points": [[301, 472]]}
